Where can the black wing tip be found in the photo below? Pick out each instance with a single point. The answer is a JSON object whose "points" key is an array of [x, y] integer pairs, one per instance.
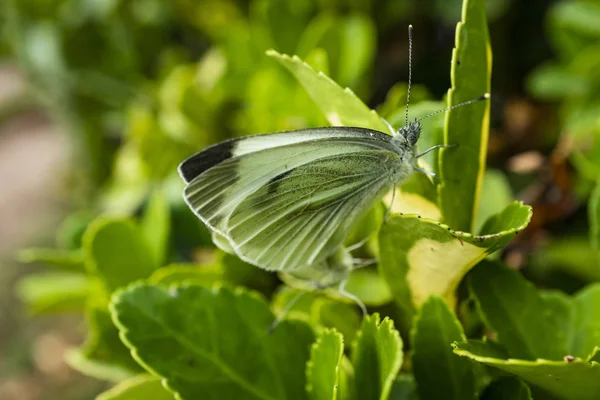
{"points": [[196, 164]]}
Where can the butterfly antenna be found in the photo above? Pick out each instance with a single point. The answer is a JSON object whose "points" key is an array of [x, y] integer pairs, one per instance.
{"points": [[285, 311], [477, 100], [343, 292], [410, 29]]}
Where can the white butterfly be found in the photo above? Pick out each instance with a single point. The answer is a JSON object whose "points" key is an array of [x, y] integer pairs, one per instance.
{"points": [[289, 199]]}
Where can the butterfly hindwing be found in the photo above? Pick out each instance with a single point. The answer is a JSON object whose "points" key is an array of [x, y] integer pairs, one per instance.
{"points": [[305, 215]]}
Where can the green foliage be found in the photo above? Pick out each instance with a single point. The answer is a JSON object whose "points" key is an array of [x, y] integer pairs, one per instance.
{"points": [[420, 257], [507, 388], [176, 333], [437, 373], [117, 253], [521, 321], [323, 369], [54, 291], [377, 357], [172, 313], [571, 79], [340, 106], [138, 387], [533, 324], [576, 380], [462, 167]]}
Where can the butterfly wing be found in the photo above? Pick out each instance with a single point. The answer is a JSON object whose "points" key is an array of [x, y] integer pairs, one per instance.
{"points": [[293, 192], [303, 215]]}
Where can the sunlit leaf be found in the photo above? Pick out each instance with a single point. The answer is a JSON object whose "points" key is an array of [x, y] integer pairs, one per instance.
{"points": [[377, 356], [324, 366]]}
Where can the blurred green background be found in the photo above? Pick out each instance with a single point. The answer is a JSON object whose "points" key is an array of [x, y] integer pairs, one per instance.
{"points": [[101, 99]]}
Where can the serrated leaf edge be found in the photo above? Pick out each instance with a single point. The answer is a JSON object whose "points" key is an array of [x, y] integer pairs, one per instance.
{"points": [[470, 236], [387, 386], [313, 348], [516, 361]]}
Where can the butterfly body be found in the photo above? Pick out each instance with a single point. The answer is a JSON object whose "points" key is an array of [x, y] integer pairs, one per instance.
{"points": [[288, 200]]}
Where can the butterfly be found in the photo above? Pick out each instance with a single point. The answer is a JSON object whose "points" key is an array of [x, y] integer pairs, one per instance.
{"points": [[287, 200]]}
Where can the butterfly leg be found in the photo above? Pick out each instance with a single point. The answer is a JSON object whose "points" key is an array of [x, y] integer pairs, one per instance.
{"points": [[285, 311], [437, 146], [389, 210], [352, 297], [363, 262], [425, 171], [359, 244]]}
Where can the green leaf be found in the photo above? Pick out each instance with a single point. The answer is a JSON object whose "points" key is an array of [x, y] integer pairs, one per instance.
{"points": [[595, 356], [377, 358], [156, 226], [159, 149], [571, 256], [524, 325], [319, 309], [117, 252], [419, 257], [323, 369], [369, 287], [216, 336], [552, 82], [581, 17], [279, 23], [347, 41], [496, 195], [462, 167], [128, 186], [438, 372], [103, 344], [507, 388], [201, 275], [79, 361], [71, 230], [532, 324], [417, 195], [303, 300], [54, 292], [594, 217], [145, 387], [240, 273], [357, 50], [344, 317], [67, 260], [575, 380], [340, 106], [584, 322], [404, 388]]}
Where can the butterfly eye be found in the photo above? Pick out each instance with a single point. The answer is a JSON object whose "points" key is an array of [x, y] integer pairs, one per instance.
{"points": [[413, 133]]}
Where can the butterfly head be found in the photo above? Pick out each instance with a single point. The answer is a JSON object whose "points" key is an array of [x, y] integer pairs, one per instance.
{"points": [[411, 132]]}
